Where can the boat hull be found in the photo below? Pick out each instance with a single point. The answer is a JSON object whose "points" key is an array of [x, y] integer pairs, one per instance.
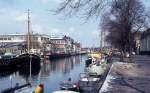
{"points": [[25, 59]]}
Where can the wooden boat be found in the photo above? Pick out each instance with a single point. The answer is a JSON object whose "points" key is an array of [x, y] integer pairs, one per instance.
{"points": [[29, 58], [25, 59]]}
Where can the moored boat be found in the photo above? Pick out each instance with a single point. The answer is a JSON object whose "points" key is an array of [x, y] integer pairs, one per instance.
{"points": [[89, 77], [69, 85], [87, 82], [8, 61], [25, 59], [29, 58]]}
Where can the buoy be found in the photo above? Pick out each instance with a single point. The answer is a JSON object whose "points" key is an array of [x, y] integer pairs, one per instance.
{"points": [[39, 89]]}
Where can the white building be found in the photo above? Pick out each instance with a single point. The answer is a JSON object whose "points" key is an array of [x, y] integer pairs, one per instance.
{"points": [[38, 42], [103, 35], [63, 45]]}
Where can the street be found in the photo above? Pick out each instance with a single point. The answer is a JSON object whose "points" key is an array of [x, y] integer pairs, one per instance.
{"points": [[128, 77]]}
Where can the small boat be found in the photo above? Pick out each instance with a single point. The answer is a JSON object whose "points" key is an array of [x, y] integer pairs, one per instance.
{"points": [[89, 77], [8, 56], [8, 61], [69, 85], [64, 91], [87, 82]]}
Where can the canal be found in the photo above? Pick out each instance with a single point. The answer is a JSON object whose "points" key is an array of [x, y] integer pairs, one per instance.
{"points": [[50, 74]]}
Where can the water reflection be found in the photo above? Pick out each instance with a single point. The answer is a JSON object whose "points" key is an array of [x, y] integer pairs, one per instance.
{"points": [[6, 73], [25, 72], [51, 73], [61, 65]]}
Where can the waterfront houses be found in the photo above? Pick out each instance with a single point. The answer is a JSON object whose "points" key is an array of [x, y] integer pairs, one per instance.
{"points": [[59, 45], [65, 45], [39, 43], [18, 43], [77, 48]]}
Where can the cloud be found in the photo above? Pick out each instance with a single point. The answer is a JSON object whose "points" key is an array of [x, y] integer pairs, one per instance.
{"points": [[50, 1], [37, 29], [95, 33], [44, 1], [56, 31], [21, 18]]}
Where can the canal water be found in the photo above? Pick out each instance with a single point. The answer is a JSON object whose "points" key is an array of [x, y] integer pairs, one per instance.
{"points": [[51, 73]]}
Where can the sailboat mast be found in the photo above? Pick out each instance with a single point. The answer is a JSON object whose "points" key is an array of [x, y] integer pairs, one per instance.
{"points": [[28, 35], [29, 41]]}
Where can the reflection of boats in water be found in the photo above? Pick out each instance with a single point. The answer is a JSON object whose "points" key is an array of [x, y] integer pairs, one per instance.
{"points": [[7, 73], [25, 88], [16, 88], [25, 71], [29, 89]]}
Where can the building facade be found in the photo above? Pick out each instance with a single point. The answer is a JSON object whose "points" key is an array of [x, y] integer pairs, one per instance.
{"points": [[145, 42], [18, 43], [65, 45], [77, 48], [39, 43]]}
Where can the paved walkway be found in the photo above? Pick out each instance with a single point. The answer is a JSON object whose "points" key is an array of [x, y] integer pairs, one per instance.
{"points": [[128, 77]]}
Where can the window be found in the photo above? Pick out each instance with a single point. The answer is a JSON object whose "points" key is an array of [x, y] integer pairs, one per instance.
{"points": [[1, 38], [5, 38], [9, 38]]}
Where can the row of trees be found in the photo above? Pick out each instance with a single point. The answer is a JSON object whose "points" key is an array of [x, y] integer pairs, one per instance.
{"points": [[121, 18]]}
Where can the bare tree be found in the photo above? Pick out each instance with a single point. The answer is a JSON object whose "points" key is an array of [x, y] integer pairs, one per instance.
{"points": [[125, 17], [87, 8]]}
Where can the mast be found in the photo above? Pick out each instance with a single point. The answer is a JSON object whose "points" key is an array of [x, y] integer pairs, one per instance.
{"points": [[29, 43], [28, 35]]}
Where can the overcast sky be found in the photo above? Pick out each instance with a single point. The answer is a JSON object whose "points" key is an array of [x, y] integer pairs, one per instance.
{"points": [[13, 19]]}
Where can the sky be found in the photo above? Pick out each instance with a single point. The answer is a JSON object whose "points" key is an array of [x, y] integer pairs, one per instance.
{"points": [[13, 19]]}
